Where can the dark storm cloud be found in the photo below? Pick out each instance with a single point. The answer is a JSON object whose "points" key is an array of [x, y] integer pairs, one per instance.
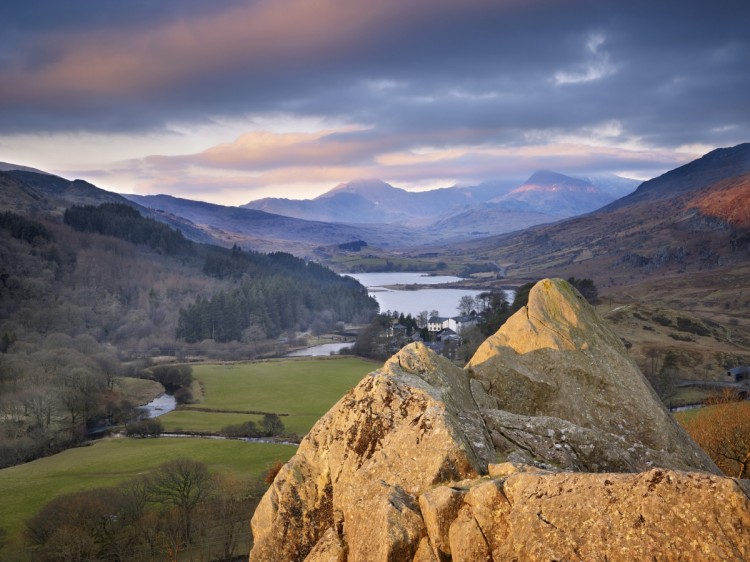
{"points": [[417, 72]]}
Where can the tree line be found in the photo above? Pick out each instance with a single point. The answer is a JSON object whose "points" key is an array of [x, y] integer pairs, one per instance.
{"points": [[273, 293], [94, 297], [125, 222]]}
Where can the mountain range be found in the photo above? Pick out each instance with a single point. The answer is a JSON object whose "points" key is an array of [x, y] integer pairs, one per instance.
{"points": [[695, 217], [372, 211], [692, 217], [546, 196]]}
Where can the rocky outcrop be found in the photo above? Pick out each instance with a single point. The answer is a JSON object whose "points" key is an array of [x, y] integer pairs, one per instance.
{"points": [[558, 388], [411, 464], [654, 515], [358, 474]]}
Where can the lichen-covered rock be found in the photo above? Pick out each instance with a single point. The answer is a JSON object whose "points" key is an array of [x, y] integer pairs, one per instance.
{"points": [[654, 515], [579, 401], [439, 508], [509, 459], [360, 470]]}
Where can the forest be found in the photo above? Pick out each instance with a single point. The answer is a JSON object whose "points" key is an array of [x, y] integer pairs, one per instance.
{"points": [[105, 291]]}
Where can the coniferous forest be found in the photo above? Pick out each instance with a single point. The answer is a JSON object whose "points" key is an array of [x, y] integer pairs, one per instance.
{"points": [[104, 291]]}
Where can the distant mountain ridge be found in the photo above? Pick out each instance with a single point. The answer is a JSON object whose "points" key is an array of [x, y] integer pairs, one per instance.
{"points": [[555, 194], [370, 201], [265, 231], [484, 209], [695, 217], [368, 210]]}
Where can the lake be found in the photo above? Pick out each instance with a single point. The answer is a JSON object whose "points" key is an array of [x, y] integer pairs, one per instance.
{"points": [[445, 301]]}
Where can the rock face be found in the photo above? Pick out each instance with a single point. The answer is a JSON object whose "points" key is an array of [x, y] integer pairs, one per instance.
{"points": [[357, 475], [411, 464], [557, 387]]}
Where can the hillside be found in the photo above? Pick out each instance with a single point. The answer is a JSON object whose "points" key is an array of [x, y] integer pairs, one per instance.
{"points": [[263, 231], [727, 201], [102, 290], [687, 220], [64, 192], [53, 194]]}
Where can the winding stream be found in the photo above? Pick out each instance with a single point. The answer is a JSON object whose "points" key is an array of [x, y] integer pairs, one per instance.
{"points": [[159, 406]]}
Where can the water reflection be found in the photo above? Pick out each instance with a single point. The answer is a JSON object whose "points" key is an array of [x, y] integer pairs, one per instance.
{"points": [[445, 301], [159, 406]]}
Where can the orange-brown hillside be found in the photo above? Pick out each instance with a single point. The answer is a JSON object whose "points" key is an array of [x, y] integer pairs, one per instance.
{"points": [[728, 200]]}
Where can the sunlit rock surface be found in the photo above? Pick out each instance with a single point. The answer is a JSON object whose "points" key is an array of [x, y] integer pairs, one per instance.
{"points": [[412, 464]]}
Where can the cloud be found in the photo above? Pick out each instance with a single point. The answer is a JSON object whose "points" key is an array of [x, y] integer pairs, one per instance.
{"points": [[597, 65], [240, 93], [304, 165]]}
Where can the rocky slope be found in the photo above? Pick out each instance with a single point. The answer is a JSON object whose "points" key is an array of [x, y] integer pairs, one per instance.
{"points": [[549, 445]]}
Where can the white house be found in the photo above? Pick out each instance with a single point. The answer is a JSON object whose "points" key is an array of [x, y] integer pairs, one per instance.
{"points": [[456, 323], [437, 323]]}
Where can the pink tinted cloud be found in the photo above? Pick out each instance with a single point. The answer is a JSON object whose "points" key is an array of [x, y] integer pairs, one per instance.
{"points": [[283, 176], [251, 38]]}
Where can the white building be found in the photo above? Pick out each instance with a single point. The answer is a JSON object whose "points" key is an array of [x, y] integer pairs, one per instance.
{"points": [[456, 323]]}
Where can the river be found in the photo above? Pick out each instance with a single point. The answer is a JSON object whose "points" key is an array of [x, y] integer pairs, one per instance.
{"points": [[159, 406], [320, 350]]}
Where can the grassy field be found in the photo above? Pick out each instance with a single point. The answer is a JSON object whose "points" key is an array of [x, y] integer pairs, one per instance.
{"points": [[690, 395], [26, 488], [302, 388]]}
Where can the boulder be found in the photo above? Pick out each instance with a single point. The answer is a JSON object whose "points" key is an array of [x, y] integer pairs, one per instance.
{"points": [[655, 515], [579, 401], [359, 472], [549, 445]]}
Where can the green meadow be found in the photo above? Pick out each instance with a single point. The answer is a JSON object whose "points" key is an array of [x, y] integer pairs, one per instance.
{"points": [[26, 488], [304, 389]]}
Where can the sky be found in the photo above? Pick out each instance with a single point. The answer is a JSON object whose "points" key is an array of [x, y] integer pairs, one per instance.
{"points": [[229, 101]]}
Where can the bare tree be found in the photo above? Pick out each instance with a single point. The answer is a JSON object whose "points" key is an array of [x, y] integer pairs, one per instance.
{"points": [[466, 304], [182, 483], [229, 511]]}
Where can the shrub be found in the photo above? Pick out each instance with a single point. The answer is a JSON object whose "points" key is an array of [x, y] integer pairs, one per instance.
{"points": [[184, 395], [173, 377], [691, 326], [272, 472], [246, 429], [144, 428]]}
